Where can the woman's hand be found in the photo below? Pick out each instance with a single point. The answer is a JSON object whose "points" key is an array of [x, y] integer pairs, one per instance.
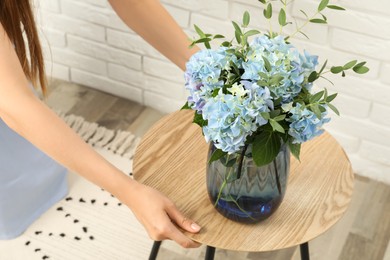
{"points": [[159, 215]]}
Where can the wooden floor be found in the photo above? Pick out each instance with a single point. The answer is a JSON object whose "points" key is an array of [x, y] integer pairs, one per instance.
{"points": [[363, 233]]}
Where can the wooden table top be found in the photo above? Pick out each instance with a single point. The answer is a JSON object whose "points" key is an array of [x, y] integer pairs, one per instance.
{"points": [[172, 158]]}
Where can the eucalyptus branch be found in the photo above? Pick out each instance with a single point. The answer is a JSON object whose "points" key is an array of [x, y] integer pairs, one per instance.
{"points": [[322, 6], [307, 21], [358, 68]]}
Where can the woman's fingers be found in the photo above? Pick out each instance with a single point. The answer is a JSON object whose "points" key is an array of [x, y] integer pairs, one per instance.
{"points": [[187, 224], [161, 218], [177, 236], [180, 220]]}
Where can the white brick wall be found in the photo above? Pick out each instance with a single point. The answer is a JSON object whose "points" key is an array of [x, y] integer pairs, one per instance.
{"points": [[90, 45]]}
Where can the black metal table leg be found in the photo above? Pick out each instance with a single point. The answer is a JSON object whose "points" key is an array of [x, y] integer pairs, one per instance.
{"points": [[304, 251], [155, 248], [210, 252]]}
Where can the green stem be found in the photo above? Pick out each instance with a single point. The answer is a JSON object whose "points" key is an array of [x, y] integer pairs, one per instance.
{"points": [[224, 183], [277, 178], [300, 28], [241, 158], [238, 206]]}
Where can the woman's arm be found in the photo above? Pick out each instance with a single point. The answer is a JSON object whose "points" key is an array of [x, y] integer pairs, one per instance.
{"points": [[28, 116], [152, 22]]}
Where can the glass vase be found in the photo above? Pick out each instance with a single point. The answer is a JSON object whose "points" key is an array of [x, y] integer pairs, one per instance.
{"points": [[244, 192]]}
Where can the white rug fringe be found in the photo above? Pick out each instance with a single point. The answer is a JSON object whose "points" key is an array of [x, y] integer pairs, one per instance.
{"points": [[119, 142]]}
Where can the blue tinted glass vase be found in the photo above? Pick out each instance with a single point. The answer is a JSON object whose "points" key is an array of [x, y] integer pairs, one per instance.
{"points": [[244, 192]]}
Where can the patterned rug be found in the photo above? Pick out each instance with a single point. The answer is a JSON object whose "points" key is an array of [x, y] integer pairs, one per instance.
{"points": [[89, 223]]}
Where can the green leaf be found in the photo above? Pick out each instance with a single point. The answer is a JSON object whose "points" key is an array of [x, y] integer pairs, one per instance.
{"points": [[238, 36], [265, 115], [266, 147], [334, 109], [239, 55], [361, 70], [360, 64], [304, 14], [268, 11], [263, 75], [336, 70], [251, 33], [263, 1], [276, 126], [198, 119], [226, 44], [217, 154], [295, 149], [237, 27], [238, 32], [275, 113], [316, 97], [244, 40], [313, 76], [282, 17], [323, 4], [323, 67], [218, 36], [349, 65], [199, 31], [280, 117], [267, 64], [262, 83], [317, 20], [335, 7], [304, 34], [276, 79], [186, 106], [215, 92], [331, 97], [316, 110], [203, 40], [246, 19]]}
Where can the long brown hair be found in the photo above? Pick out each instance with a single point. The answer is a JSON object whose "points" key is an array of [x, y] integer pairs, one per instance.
{"points": [[17, 19]]}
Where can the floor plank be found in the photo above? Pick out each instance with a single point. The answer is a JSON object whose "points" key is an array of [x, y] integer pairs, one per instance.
{"points": [[93, 104], [144, 121], [121, 114]]}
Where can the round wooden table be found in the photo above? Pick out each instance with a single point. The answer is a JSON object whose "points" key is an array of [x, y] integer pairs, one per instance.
{"points": [[172, 158]]}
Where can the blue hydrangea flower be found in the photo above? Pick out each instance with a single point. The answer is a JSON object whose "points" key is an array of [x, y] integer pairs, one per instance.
{"points": [[304, 124], [286, 63], [233, 117], [202, 75]]}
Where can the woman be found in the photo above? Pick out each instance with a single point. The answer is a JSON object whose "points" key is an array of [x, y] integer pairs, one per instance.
{"points": [[35, 145]]}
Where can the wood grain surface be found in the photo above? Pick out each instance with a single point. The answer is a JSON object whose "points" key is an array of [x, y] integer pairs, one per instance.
{"points": [[172, 158]]}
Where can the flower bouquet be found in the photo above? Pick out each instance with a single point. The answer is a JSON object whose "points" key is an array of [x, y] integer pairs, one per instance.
{"points": [[253, 97]]}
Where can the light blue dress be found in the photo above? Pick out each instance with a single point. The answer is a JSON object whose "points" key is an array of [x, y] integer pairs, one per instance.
{"points": [[30, 183]]}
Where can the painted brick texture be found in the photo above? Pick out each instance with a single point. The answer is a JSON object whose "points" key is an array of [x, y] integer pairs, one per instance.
{"points": [[85, 42]]}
